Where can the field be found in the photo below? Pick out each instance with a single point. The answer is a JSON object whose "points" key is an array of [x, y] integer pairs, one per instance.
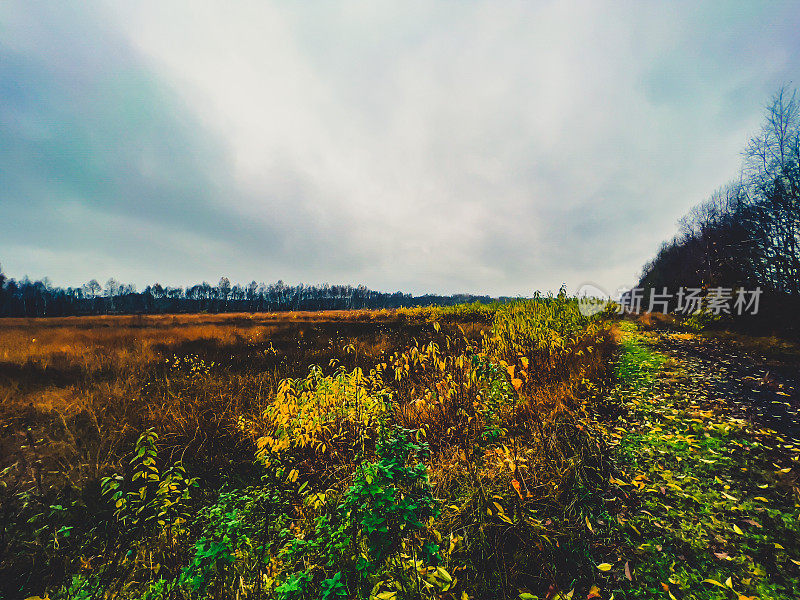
{"points": [[507, 451], [87, 386]]}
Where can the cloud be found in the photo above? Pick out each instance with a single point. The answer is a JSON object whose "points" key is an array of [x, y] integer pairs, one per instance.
{"points": [[470, 146]]}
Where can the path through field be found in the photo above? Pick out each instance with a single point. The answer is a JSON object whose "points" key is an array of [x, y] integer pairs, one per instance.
{"points": [[741, 381], [709, 460]]}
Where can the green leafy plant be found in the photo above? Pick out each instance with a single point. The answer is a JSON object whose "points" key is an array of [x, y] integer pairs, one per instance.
{"points": [[294, 586], [215, 550], [238, 534], [391, 500], [378, 523], [333, 588], [151, 508], [149, 498]]}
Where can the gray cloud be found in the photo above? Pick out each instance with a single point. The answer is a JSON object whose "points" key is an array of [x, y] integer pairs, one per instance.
{"points": [[481, 146]]}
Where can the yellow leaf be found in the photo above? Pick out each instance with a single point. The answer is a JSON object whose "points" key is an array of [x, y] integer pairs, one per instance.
{"points": [[604, 567], [714, 582], [504, 517], [589, 524], [594, 592], [738, 530], [441, 573]]}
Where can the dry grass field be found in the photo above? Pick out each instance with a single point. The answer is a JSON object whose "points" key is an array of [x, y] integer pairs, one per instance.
{"points": [[80, 387], [275, 406], [458, 453]]}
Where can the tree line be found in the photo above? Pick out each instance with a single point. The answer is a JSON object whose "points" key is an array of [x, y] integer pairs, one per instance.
{"points": [[26, 298], [747, 234]]}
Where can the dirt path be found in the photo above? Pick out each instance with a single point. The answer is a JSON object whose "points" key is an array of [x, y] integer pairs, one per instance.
{"points": [[741, 380], [708, 472]]}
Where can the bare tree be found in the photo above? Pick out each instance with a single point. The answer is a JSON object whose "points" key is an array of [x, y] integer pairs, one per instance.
{"points": [[93, 288], [749, 231]]}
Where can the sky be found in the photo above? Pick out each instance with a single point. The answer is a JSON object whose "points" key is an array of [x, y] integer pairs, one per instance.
{"points": [[441, 146]]}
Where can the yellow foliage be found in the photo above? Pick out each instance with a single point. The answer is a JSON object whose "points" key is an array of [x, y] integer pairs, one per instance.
{"points": [[319, 411]]}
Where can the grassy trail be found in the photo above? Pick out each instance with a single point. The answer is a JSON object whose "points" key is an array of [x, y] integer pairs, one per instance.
{"points": [[710, 501]]}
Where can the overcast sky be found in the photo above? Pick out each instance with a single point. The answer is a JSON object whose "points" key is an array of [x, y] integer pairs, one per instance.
{"points": [[491, 147]]}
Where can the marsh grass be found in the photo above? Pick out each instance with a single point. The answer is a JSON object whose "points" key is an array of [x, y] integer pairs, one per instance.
{"points": [[501, 396]]}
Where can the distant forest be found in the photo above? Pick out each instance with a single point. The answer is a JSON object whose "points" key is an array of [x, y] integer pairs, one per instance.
{"points": [[747, 234], [26, 298]]}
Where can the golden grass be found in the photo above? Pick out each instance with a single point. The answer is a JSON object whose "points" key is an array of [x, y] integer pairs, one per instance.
{"points": [[77, 380], [501, 404]]}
